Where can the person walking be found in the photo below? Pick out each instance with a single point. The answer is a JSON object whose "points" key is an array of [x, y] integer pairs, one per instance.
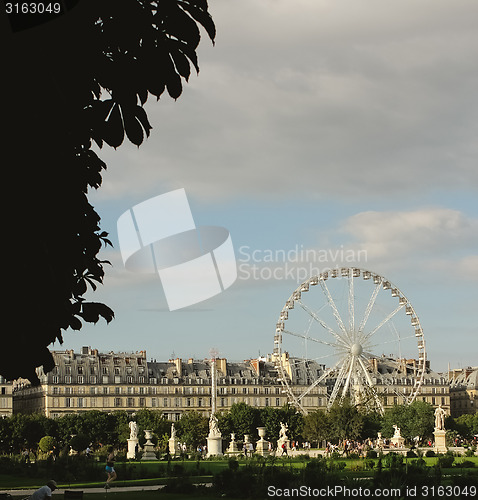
{"points": [[110, 467], [44, 493]]}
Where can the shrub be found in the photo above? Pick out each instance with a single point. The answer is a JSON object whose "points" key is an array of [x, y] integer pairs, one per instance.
{"points": [[466, 464], [369, 464], [430, 453], [371, 454], [411, 454], [392, 460], [446, 461], [233, 464], [47, 444]]}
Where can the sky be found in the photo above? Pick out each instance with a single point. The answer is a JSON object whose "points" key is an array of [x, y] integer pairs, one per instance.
{"points": [[347, 129]]}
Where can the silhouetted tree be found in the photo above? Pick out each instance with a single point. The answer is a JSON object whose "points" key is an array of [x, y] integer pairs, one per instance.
{"points": [[71, 79]]}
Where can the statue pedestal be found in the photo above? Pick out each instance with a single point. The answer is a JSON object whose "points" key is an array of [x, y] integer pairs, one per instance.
{"points": [[173, 447], [148, 448], [440, 441], [214, 446], [132, 444], [397, 441], [262, 446], [280, 442], [233, 449]]}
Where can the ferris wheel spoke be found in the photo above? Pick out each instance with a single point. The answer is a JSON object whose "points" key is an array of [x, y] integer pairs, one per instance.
{"points": [[338, 381], [383, 322], [319, 380], [370, 383], [316, 317], [369, 307], [307, 337], [351, 304], [393, 341], [349, 377], [331, 303]]}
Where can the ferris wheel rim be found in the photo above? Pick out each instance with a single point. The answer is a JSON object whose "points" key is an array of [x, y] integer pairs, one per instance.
{"points": [[380, 282]]}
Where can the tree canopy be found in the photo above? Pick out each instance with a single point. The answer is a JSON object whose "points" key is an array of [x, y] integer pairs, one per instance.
{"points": [[75, 79]]}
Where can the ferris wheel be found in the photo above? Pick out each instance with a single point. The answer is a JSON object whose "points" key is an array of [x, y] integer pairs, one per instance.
{"points": [[349, 333]]}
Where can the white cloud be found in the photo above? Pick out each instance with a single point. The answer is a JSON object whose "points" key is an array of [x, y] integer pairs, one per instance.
{"points": [[431, 237], [343, 97]]}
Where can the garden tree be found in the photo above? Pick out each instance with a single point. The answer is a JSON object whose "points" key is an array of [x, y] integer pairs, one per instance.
{"points": [[81, 76], [271, 419], [416, 419], [47, 444], [240, 419], [192, 429], [465, 425], [317, 426], [6, 445], [96, 425], [346, 421], [119, 429], [68, 425], [153, 420], [372, 423], [79, 442]]}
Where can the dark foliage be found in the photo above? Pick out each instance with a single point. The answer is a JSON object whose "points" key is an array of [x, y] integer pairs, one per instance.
{"points": [[81, 77]]}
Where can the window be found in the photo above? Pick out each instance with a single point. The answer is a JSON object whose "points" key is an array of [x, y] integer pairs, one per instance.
{"points": [[154, 402], [277, 401], [117, 402], [165, 402], [130, 402], [68, 403], [80, 379], [267, 403], [142, 401], [80, 370], [80, 402]]}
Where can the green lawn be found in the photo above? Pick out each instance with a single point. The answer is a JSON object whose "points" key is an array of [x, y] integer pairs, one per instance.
{"points": [[156, 473], [136, 495]]}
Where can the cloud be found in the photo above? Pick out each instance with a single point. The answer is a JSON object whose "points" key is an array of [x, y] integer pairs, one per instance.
{"points": [[436, 238], [316, 98]]}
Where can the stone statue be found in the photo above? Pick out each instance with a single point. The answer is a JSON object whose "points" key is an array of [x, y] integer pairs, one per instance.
{"points": [[397, 431], [283, 431], [213, 427], [440, 418], [133, 429], [173, 431]]}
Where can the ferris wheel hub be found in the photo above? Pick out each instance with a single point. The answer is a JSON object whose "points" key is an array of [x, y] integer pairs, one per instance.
{"points": [[356, 350]]}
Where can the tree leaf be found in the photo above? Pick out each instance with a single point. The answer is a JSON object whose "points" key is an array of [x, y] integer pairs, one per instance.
{"points": [[113, 132], [133, 128]]}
